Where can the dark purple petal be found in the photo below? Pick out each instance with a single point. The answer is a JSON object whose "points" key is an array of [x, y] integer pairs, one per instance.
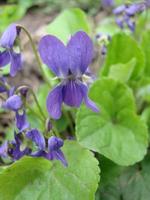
{"points": [[54, 102], [13, 103], [72, 95], [36, 137], [8, 38], [119, 10], [89, 103], [4, 58], [54, 143], [3, 149], [16, 63], [80, 49], [54, 54], [57, 155], [21, 121]]}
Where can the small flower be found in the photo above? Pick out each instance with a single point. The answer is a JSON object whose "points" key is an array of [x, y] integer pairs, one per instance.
{"points": [[69, 63], [50, 152], [9, 55], [125, 14]]}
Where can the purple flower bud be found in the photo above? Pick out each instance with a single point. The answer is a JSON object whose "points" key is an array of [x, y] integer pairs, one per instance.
{"points": [[49, 125]]}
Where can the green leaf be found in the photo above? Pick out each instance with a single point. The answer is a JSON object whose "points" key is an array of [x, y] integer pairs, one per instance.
{"points": [[122, 49], [133, 184], [122, 72], [146, 49], [40, 179], [108, 26], [67, 23], [116, 132]]}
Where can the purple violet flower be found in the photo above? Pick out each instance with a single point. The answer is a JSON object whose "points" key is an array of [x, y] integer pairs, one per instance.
{"points": [[9, 55], [51, 152], [69, 63], [125, 14]]}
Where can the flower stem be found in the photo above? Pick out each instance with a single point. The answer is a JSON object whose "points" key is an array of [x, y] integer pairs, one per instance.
{"points": [[36, 54], [35, 98]]}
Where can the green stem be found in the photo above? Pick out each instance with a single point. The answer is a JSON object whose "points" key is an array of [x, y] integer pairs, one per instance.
{"points": [[69, 120], [35, 98], [36, 54]]}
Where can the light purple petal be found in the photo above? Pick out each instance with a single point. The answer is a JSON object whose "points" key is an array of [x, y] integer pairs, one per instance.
{"points": [[54, 54], [13, 103], [119, 10], [120, 22], [72, 95], [4, 58], [54, 143], [54, 101], [9, 36], [89, 103], [21, 121], [80, 49], [16, 63], [36, 137], [135, 8]]}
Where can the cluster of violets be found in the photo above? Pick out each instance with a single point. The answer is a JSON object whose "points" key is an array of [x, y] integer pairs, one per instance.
{"points": [[126, 13], [70, 64]]}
